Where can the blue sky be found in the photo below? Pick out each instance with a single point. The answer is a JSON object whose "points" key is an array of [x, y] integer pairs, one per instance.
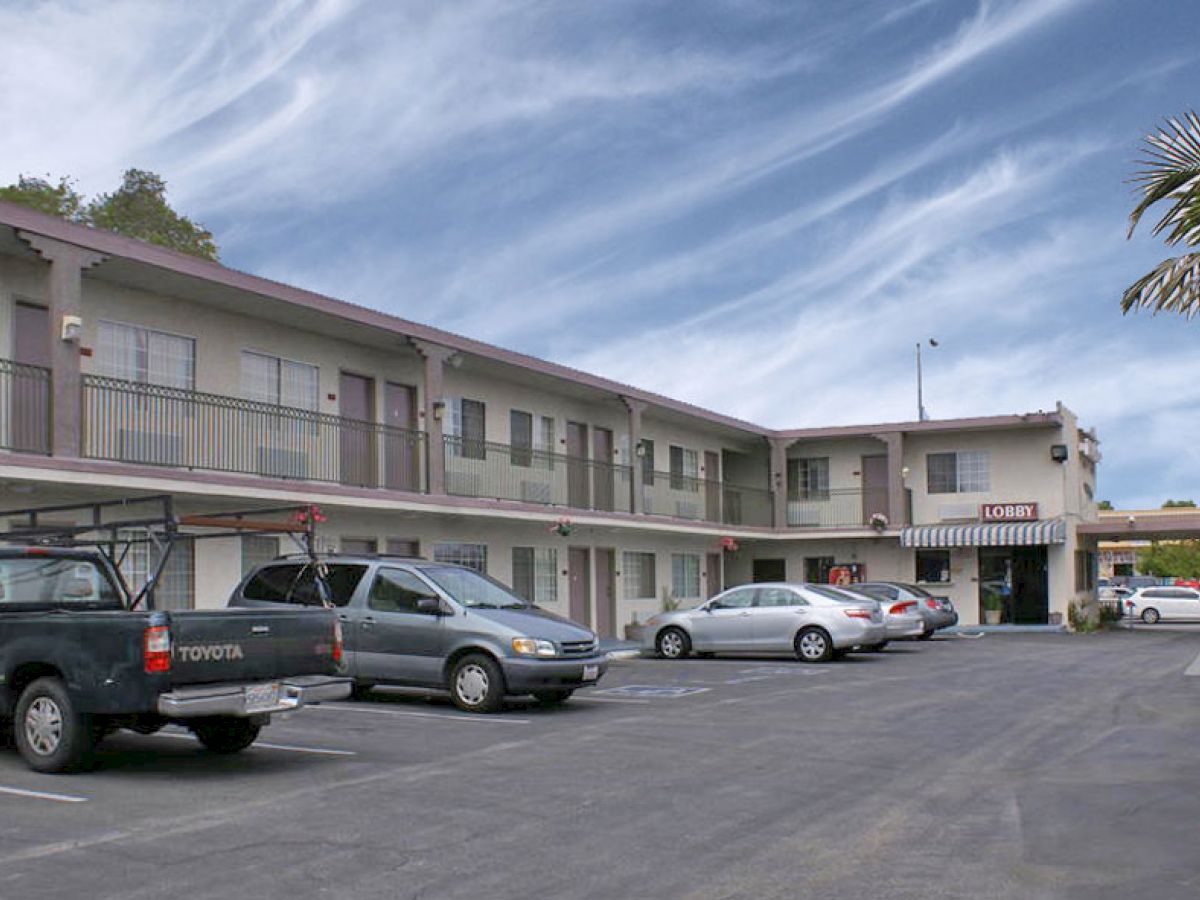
{"points": [[755, 206]]}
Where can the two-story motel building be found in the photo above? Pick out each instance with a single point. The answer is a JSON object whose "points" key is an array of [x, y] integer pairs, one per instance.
{"points": [[129, 369]]}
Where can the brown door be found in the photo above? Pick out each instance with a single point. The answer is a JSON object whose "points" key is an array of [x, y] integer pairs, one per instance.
{"points": [[402, 453], [712, 574], [29, 389], [606, 593], [579, 594], [874, 487], [602, 470], [712, 486], [356, 401], [578, 489]]}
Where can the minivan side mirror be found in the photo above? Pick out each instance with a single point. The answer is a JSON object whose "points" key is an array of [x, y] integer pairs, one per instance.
{"points": [[431, 606]]}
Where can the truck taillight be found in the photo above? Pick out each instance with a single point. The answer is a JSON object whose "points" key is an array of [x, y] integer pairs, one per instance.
{"points": [[337, 641], [156, 649]]}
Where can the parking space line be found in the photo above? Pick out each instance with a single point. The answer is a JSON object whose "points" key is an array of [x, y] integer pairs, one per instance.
{"points": [[588, 698], [43, 795], [1194, 668], [449, 717], [264, 745]]}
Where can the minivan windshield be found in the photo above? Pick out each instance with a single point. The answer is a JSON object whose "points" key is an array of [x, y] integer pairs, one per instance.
{"points": [[471, 589]]}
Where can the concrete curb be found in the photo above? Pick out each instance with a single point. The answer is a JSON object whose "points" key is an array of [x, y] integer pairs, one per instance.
{"points": [[624, 654]]}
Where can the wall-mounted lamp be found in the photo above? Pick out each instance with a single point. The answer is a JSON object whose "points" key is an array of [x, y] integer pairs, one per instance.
{"points": [[454, 360], [904, 471], [439, 410], [639, 449], [1058, 452], [72, 329]]}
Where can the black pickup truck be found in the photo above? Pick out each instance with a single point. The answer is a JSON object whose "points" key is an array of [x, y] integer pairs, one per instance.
{"points": [[77, 662]]}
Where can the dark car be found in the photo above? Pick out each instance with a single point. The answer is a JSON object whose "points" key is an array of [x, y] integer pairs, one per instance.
{"points": [[937, 612], [418, 623]]}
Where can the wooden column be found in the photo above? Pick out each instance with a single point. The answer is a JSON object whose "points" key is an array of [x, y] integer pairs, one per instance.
{"points": [[779, 449], [897, 500], [64, 297], [637, 494], [435, 356]]}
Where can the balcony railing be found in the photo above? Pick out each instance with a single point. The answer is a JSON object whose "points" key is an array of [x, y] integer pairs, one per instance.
{"points": [[837, 508], [682, 496], [502, 472], [24, 407], [162, 426]]}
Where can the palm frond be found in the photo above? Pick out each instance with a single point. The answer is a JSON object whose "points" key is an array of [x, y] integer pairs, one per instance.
{"points": [[1173, 286], [1171, 170]]}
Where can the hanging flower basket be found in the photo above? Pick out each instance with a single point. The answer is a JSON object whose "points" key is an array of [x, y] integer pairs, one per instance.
{"points": [[562, 527], [729, 545], [878, 521], [310, 515]]}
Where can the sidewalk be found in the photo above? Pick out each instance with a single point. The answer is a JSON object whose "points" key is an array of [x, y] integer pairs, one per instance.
{"points": [[620, 649]]}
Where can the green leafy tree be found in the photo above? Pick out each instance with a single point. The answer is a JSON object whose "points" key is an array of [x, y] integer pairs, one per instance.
{"points": [[1179, 504], [1104, 504], [1170, 171], [137, 209], [1171, 559], [53, 199]]}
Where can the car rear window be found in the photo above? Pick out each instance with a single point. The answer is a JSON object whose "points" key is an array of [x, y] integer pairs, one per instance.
{"points": [[271, 583], [55, 580]]}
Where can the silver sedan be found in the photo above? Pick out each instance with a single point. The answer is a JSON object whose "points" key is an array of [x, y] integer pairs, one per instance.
{"points": [[902, 618], [816, 625]]}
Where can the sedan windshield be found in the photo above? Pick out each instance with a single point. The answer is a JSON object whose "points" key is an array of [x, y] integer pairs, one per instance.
{"points": [[472, 589]]}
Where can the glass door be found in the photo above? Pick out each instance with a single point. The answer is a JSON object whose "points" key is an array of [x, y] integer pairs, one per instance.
{"points": [[995, 585]]}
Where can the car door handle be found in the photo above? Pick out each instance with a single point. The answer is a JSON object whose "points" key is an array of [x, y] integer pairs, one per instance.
{"points": [[367, 623], [743, 614]]}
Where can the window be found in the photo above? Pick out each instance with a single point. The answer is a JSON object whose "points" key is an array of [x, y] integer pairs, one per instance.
{"points": [[543, 442], [145, 356], [647, 461], [808, 479], [342, 580], [360, 546], [473, 556], [1085, 570], [739, 598], [398, 590], [409, 547], [273, 583], [776, 596], [280, 382], [55, 579], [535, 574], [964, 472], [933, 565], [468, 426], [685, 469], [685, 575], [816, 569], [256, 550], [176, 585], [637, 576], [520, 438]]}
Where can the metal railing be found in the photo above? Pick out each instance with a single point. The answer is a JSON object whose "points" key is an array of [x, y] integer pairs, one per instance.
{"points": [[155, 425], [680, 496], [24, 407], [837, 507], [502, 472], [747, 506]]}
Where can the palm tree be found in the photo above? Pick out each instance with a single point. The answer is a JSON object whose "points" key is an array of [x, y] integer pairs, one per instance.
{"points": [[1171, 171]]}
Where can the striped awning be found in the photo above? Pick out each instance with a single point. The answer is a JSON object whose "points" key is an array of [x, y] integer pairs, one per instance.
{"points": [[997, 534]]}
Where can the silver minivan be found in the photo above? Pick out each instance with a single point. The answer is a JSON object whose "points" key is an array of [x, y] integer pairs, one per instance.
{"points": [[425, 624]]}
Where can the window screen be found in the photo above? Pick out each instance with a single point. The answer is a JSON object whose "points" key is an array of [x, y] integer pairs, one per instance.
{"points": [[150, 357], [535, 574], [685, 575], [637, 575], [964, 472], [520, 437], [472, 556]]}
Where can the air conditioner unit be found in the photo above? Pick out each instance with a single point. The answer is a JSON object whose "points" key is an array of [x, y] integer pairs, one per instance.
{"points": [[464, 484], [687, 509], [281, 463], [151, 447], [535, 491]]}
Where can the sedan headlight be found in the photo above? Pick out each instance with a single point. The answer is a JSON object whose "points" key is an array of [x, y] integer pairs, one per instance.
{"points": [[524, 646]]}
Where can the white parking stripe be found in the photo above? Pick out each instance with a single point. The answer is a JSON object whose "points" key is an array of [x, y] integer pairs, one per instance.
{"points": [[43, 795], [1194, 668], [320, 751], [449, 717], [588, 698]]}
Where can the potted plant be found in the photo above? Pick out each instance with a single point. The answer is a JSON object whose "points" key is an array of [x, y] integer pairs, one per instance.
{"points": [[633, 629], [878, 521], [992, 606], [669, 601]]}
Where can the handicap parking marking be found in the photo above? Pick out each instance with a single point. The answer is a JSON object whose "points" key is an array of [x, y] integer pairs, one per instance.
{"points": [[266, 745], [447, 717], [590, 698], [652, 690], [43, 795]]}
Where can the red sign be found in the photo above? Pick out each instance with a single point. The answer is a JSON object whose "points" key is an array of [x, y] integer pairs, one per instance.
{"points": [[1008, 512]]}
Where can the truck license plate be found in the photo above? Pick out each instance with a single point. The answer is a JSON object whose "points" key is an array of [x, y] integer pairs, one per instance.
{"points": [[591, 673], [262, 697]]}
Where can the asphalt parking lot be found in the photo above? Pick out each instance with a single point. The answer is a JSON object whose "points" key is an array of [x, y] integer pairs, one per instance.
{"points": [[1008, 766]]}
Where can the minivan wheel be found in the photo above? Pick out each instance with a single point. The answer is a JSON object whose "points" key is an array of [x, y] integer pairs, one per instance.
{"points": [[673, 643], [552, 697], [50, 734], [813, 645], [477, 684], [225, 734], [1150, 616]]}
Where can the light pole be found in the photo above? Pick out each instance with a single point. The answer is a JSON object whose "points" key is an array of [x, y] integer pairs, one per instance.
{"points": [[921, 414]]}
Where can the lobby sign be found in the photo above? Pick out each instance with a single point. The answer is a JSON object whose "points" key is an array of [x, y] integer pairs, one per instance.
{"points": [[1008, 512]]}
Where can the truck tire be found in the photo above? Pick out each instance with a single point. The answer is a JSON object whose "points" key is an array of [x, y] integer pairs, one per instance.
{"points": [[225, 734], [50, 733], [477, 684]]}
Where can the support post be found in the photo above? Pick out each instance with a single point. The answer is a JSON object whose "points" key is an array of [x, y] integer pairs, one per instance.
{"points": [[779, 449], [637, 494], [64, 297], [435, 356], [897, 501]]}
